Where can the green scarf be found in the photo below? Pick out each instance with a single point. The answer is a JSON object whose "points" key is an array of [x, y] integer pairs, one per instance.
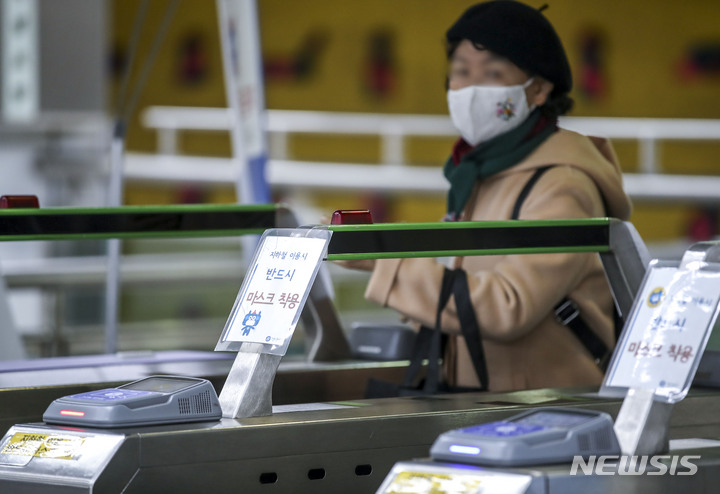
{"points": [[491, 157]]}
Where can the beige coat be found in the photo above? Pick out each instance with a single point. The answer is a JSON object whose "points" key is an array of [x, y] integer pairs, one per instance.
{"points": [[514, 295]]}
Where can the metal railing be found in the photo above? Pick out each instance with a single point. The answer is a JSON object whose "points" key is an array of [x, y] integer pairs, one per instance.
{"points": [[393, 132]]}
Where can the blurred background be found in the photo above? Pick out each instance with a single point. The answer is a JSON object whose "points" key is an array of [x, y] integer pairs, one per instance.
{"points": [[645, 59]]}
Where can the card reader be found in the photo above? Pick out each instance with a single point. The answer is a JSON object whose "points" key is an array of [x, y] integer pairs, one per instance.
{"points": [[149, 401], [536, 437]]}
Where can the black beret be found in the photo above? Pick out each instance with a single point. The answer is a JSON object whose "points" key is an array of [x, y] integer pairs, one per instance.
{"points": [[519, 33]]}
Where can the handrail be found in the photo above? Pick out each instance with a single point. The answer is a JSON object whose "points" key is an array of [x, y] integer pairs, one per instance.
{"points": [[393, 128], [399, 177], [196, 118]]}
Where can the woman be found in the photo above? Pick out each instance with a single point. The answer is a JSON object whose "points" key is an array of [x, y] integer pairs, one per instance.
{"points": [[508, 82]]}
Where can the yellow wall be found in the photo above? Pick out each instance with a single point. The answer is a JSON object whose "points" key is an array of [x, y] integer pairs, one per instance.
{"points": [[645, 41]]}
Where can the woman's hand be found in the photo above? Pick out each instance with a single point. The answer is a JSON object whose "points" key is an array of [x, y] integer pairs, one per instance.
{"points": [[361, 264]]}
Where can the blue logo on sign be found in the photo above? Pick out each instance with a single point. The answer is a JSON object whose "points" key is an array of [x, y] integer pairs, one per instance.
{"points": [[250, 322], [656, 297]]}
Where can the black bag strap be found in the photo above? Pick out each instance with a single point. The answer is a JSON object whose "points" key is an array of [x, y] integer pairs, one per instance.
{"points": [[526, 190], [433, 377], [428, 342], [420, 350], [470, 327], [567, 312]]}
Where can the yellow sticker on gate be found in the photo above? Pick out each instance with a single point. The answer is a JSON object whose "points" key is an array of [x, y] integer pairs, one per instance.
{"points": [[433, 483], [43, 445]]}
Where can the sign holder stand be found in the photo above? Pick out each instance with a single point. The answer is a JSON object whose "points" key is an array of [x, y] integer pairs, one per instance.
{"points": [[248, 389], [642, 425], [265, 314]]}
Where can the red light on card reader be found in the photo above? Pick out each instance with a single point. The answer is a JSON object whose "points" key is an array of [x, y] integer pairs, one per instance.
{"points": [[72, 413], [19, 202], [351, 217]]}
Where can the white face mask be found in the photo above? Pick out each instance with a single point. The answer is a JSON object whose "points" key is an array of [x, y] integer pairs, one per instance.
{"points": [[483, 112]]}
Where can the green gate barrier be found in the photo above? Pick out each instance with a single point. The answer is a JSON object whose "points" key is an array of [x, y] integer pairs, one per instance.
{"points": [[194, 220], [325, 338], [622, 251], [468, 238]]}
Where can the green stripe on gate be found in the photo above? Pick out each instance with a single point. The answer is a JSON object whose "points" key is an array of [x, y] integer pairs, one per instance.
{"points": [[171, 208], [450, 225], [105, 236]]}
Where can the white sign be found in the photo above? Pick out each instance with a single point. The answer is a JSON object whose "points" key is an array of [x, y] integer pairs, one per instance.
{"points": [[672, 318], [274, 290]]}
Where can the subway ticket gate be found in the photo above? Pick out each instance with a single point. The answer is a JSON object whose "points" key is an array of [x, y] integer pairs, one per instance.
{"points": [[563, 450], [593, 462], [326, 341], [321, 447], [622, 251], [699, 473], [311, 448], [623, 254]]}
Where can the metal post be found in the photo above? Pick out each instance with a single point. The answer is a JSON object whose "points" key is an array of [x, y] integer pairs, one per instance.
{"points": [[648, 154], [392, 146], [11, 347], [326, 340], [112, 279], [279, 145], [242, 65], [625, 264], [248, 389], [167, 141], [642, 424]]}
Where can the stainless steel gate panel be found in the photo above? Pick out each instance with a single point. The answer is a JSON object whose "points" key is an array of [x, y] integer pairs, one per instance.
{"points": [[323, 447], [557, 479], [295, 382]]}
